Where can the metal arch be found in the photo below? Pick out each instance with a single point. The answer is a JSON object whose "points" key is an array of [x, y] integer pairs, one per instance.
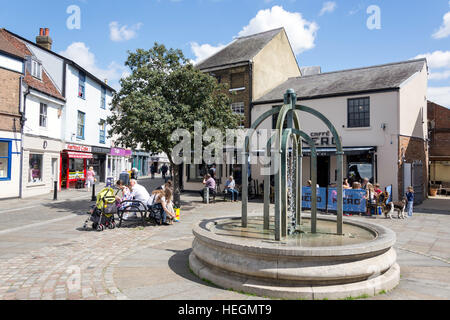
{"points": [[340, 165], [245, 153], [283, 194]]}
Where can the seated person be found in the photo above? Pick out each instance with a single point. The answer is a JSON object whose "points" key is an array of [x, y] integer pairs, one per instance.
{"points": [[230, 187], [209, 183], [160, 200], [126, 195], [138, 193]]}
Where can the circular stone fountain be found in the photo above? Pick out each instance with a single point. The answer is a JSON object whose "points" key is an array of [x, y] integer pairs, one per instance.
{"points": [[288, 254], [317, 266]]}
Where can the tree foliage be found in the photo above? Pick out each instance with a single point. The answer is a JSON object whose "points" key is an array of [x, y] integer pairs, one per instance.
{"points": [[163, 93]]}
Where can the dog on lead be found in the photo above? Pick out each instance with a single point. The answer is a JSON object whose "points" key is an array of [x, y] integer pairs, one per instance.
{"points": [[400, 207]]}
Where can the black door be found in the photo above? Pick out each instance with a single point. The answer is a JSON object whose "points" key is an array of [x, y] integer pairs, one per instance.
{"points": [[323, 171]]}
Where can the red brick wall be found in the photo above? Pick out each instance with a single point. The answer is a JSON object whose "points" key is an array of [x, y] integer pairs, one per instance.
{"points": [[411, 150], [9, 100], [440, 134]]}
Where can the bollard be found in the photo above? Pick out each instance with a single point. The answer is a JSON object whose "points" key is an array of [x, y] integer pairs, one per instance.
{"points": [[55, 192], [94, 198], [206, 195]]}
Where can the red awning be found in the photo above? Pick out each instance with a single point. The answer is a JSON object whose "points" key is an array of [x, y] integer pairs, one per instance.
{"points": [[80, 155]]}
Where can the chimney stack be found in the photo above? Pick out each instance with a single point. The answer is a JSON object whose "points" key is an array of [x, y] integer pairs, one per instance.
{"points": [[44, 40]]}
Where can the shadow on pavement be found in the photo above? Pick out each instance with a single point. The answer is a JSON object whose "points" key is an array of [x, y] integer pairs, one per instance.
{"points": [[179, 263]]}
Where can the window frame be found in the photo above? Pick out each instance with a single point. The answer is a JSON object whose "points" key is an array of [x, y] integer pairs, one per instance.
{"points": [[103, 99], [241, 114], [36, 69], [9, 159], [358, 119], [102, 133], [81, 85], [78, 124], [41, 169], [43, 116]]}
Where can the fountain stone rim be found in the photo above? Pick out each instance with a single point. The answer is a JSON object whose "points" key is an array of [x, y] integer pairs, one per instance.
{"points": [[384, 240]]}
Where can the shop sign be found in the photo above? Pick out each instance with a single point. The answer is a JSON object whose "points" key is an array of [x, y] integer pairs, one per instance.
{"points": [[354, 200], [78, 148], [323, 139], [321, 198], [101, 150], [120, 152]]}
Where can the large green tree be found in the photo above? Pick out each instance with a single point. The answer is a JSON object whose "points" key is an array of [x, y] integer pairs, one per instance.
{"points": [[163, 93]]}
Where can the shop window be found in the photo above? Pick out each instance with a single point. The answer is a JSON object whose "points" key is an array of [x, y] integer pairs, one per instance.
{"points": [[82, 85], [360, 167], [359, 113], [35, 174], [81, 124], [43, 115], [239, 109], [103, 99], [76, 169], [5, 160]]}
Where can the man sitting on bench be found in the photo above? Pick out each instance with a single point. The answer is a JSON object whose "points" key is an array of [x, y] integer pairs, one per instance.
{"points": [[230, 187], [209, 183]]}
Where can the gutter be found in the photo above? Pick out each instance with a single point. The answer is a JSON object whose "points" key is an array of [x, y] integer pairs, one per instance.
{"points": [[22, 125]]}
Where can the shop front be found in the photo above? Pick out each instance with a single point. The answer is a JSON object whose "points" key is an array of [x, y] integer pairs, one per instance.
{"points": [[118, 161], [98, 162], [141, 161], [41, 159], [74, 165]]}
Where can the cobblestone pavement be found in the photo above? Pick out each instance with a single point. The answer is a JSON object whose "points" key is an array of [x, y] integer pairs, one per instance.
{"points": [[56, 260]]}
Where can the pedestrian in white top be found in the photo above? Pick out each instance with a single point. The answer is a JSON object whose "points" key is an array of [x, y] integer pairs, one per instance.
{"points": [[139, 193]]}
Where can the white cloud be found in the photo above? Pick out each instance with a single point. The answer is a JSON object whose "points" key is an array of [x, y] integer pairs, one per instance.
{"points": [[444, 75], [444, 30], [439, 95], [204, 51], [302, 33], [437, 59], [119, 33], [81, 54], [328, 7]]}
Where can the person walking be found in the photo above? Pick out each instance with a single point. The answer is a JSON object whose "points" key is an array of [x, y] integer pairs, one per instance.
{"points": [[153, 170], [90, 178], [164, 170], [410, 200]]}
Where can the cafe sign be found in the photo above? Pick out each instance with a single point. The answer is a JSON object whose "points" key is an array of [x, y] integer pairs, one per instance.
{"points": [[78, 148]]}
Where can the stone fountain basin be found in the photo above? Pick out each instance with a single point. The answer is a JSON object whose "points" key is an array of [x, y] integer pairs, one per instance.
{"points": [[280, 270]]}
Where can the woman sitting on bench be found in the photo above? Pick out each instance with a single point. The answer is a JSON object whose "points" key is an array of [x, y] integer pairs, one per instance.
{"points": [[161, 200]]}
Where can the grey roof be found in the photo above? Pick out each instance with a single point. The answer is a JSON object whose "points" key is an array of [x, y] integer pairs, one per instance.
{"points": [[240, 50], [309, 71], [353, 81]]}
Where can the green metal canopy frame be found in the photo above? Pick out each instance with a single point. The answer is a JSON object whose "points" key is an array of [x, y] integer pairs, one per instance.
{"points": [[282, 136]]}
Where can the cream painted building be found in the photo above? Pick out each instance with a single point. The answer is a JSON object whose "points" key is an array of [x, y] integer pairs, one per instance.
{"points": [[380, 113]]}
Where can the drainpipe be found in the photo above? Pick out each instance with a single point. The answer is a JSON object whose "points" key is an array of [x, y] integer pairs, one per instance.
{"points": [[23, 119]]}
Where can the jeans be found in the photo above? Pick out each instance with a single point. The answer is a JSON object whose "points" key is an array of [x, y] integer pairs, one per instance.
{"points": [[234, 194], [410, 208]]}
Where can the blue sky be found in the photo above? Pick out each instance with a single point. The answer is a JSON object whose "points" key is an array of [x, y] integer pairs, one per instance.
{"points": [[332, 34]]}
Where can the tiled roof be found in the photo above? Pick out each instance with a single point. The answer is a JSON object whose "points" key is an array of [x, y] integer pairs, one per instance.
{"points": [[376, 78], [45, 85], [240, 50], [8, 48]]}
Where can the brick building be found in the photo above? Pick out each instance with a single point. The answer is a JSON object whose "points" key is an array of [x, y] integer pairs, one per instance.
{"points": [[439, 135], [250, 66], [12, 64]]}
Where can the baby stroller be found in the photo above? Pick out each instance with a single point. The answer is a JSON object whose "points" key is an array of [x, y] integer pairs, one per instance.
{"points": [[102, 214]]}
